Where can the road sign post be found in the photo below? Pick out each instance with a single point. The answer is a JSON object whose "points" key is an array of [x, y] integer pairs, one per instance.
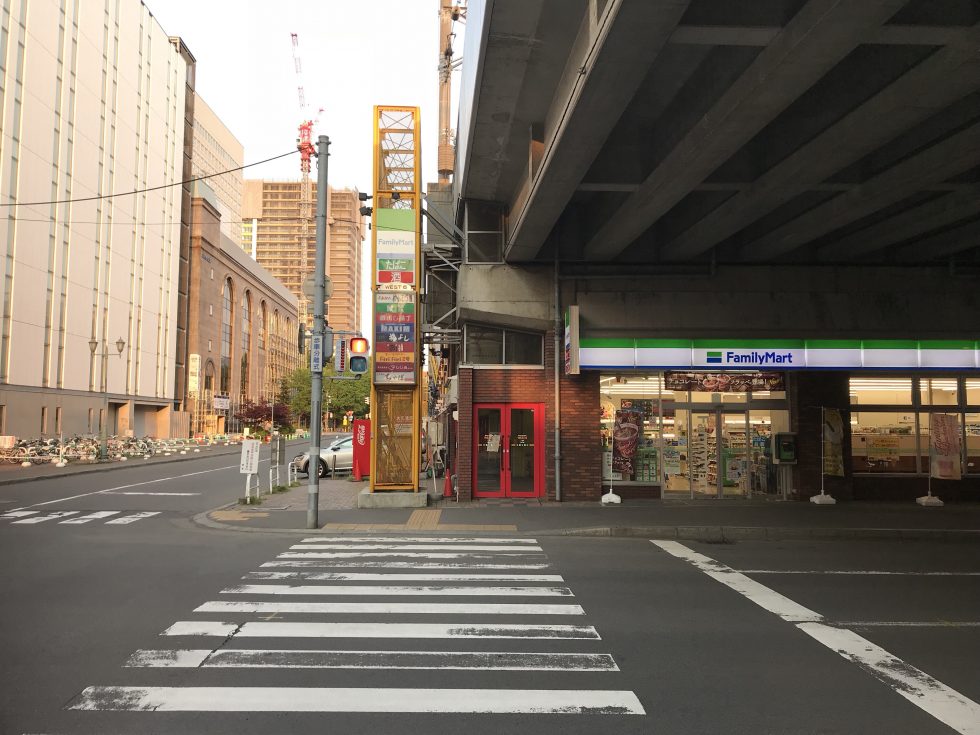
{"points": [[250, 465]]}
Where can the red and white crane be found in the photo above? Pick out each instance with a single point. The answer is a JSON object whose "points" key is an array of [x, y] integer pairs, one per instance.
{"points": [[305, 140]]}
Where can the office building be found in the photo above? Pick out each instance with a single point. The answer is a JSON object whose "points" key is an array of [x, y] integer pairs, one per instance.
{"points": [[282, 239], [216, 149], [94, 103]]}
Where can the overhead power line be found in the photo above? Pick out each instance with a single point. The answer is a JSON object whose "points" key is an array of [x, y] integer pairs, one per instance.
{"points": [[142, 191]]}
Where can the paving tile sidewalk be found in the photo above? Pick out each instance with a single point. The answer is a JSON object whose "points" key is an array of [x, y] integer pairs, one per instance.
{"points": [[708, 520]]}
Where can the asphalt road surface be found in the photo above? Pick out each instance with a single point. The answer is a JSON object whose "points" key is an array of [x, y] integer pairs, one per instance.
{"points": [[157, 625]]}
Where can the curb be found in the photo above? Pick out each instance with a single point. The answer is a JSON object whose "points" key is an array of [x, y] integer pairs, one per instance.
{"points": [[732, 534], [707, 534]]}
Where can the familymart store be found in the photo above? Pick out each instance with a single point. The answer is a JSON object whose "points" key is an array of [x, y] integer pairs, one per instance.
{"points": [[707, 412]]}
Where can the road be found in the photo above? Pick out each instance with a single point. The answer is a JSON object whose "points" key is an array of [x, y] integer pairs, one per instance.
{"points": [[160, 626]]}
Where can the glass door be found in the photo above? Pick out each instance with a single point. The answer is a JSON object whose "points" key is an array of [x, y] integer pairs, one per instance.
{"points": [[509, 450], [735, 470], [488, 465]]}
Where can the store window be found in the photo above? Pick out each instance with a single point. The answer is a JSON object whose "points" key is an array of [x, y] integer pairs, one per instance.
{"points": [[702, 434], [484, 232], [496, 346], [938, 392]]}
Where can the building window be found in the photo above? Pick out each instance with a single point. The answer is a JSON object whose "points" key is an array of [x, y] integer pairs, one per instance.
{"points": [[262, 326], [209, 345], [484, 233], [57, 420], [890, 420], [224, 385], [44, 419], [212, 274], [495, 346], [246, 344], [3, 419], [91, 417], [210, 309]]}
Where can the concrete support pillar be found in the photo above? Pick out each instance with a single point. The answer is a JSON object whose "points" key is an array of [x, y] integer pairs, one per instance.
{"points": [[808, 392]]}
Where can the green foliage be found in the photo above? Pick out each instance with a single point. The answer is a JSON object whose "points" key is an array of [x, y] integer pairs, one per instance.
{"points": [[339, 396]]}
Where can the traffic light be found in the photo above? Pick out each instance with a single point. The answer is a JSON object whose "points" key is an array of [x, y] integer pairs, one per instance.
{"points": [[357, 361]]}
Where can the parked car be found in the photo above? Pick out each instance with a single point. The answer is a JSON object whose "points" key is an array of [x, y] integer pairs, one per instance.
{"points": [[335, 457]]}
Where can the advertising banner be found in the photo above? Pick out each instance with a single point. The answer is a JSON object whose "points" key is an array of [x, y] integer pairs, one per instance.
{"points": [[944, 446], [394, 338], [886, 448], [627, 431], [724, 382], [833, 442], [571, 341], [194, 374]]}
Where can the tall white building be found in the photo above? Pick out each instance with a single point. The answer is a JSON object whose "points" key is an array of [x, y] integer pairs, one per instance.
{"points": [[216, 149], [93, 105]]}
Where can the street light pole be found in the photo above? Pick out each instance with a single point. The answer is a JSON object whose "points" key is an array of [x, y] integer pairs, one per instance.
{"points": [[319, 328], [93, 346]]}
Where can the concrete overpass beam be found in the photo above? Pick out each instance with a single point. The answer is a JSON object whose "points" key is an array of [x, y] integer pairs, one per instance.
{"points": [[821, 34], [952, 156], [927, 217], [925, 90], [941, 245], [616, 44]]}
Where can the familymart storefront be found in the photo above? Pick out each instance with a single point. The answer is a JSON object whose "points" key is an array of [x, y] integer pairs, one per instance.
{"points": [[698, 418]]}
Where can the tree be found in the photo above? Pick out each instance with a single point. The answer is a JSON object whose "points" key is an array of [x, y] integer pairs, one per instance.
{"points": [[339, 396], [261, 416]]}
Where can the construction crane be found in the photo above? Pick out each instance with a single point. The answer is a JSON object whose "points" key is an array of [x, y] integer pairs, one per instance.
{"points": [[449, 13], [304, 142]]}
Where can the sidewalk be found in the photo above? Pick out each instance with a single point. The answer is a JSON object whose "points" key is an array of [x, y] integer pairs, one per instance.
{"points": [[11, 474], [707, 520]]}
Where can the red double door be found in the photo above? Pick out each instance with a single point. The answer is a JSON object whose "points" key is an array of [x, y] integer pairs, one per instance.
{"points": [[508, 450]]}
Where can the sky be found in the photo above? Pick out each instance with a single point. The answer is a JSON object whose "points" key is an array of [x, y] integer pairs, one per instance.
{"points": [[355, 54]]}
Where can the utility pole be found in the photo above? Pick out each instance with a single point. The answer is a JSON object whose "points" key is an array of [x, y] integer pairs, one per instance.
{"points": [[319, 332]]}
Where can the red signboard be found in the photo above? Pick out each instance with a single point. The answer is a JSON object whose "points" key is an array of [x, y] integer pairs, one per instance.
{"points": [[396, 277], [362, 448]]}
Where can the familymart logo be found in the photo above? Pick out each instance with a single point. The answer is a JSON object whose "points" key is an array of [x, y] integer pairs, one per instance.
{"points": [[753, 357]]}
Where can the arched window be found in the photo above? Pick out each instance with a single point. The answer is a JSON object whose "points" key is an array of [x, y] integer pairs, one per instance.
{"points": [[209, 382], [227, 311], [263, 326], [246, 344]]}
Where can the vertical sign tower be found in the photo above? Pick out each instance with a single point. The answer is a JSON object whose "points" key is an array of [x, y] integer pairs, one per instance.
{"points": [[395, 242]]}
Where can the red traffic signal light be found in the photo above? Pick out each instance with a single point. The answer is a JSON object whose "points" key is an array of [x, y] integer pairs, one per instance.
{"points": [[358, 346]]}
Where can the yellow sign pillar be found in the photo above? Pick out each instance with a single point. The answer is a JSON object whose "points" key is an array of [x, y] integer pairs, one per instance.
{"points": [[396, 234]]}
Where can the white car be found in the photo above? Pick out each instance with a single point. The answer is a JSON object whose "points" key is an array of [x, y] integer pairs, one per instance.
{"points": [[335, 457]]}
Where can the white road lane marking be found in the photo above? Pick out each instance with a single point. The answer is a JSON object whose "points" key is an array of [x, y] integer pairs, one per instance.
{"points": [[758, 593], [299, 564], [406, 554], [389, 608], [133, 484], [395, 590], [92, 516], [18, 513], [942, 702], [932, 696], [905, 624], [416, 539], [412, 547], [181, 495], [133, 518], [49, 517], [202, 627], [382, 630], [316, 699], [320, 659], [860, 572], [397, 577]]}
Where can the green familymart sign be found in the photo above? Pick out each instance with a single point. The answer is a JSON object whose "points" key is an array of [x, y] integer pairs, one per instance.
{"points": [[777, 354]]}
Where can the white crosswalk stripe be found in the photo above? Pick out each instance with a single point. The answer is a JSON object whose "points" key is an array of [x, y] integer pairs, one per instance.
{"points": [[439, 568], [64, 517]]}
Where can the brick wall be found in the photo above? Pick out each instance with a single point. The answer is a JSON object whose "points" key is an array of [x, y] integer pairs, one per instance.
{"points": [[581, 458]]}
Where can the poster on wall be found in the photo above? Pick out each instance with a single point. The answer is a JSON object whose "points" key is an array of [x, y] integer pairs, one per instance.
{"points": [[724, 382], [672, 461], [833, 442], [644, 406], [884, 449], [626, 435], [944, 446]]}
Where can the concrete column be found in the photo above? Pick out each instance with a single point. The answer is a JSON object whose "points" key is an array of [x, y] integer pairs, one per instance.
{"points": [[808, 391]]}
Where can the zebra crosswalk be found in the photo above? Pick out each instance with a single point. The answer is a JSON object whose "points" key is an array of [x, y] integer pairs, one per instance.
{"points": [[72, 517], [372, 627]]}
